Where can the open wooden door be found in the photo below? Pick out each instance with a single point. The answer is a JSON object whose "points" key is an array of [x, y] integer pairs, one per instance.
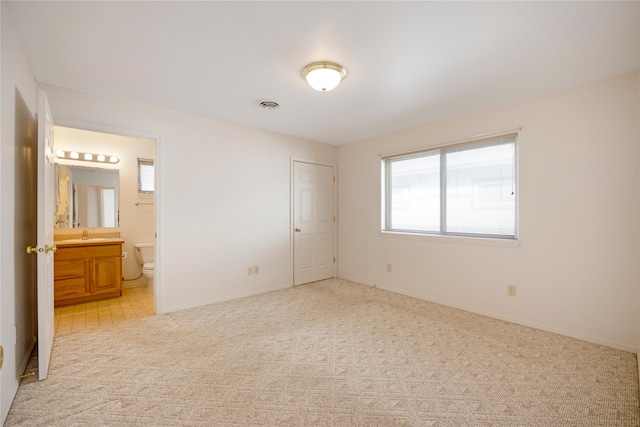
{"points": [[45, 247]]}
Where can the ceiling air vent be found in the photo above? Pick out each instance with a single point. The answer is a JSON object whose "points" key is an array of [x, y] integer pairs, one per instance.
{"points": [[269, 105]]}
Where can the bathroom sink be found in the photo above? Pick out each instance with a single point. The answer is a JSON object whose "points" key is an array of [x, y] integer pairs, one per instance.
{"points": [[95, 239], [90, 241]]}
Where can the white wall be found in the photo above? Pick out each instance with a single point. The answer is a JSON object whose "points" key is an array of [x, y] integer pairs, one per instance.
{"points": [[136, 221], [16, 312], [222, 195], [576, 268]]}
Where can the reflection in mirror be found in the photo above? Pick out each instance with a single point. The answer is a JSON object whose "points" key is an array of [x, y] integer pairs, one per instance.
{"points": [[87, 197]]}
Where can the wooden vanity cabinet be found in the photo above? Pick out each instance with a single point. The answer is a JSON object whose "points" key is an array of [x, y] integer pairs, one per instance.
{"points": [[87, 273]]}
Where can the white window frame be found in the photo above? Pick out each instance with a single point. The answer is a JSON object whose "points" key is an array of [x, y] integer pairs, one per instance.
{"points": [[442, 234]]}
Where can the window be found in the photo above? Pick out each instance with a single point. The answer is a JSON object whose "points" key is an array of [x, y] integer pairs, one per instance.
{"points": [[466, 189], [145, 176]]}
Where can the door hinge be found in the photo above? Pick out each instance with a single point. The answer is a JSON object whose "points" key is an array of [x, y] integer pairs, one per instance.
{"points": [[334, 178], [334, 259], [334, 219]]}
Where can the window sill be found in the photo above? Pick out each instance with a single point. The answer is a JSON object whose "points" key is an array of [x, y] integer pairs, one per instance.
{"points": [[463, 240]]}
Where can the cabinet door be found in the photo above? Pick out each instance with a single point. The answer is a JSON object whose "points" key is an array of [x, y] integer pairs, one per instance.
{"points": [[106, 274]]}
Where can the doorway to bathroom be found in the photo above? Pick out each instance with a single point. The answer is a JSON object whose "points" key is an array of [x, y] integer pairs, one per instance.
{"points": [[131, 216]]}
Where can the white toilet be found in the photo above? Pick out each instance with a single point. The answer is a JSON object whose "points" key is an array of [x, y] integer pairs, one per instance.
{"points": [[144, 256]]}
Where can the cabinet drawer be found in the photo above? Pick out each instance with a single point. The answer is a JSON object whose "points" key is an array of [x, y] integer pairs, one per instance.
{"points": [[69, 269], [83, 252], [69, 288]]}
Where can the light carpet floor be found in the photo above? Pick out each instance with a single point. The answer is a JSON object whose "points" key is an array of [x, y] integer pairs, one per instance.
{"points": [[331, 353]]}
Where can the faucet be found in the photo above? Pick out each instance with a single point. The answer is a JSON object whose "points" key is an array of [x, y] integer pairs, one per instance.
{"points": [[85, 234]]}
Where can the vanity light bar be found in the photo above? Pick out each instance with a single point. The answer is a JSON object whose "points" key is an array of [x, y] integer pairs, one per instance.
{"points": [[87, 157]]}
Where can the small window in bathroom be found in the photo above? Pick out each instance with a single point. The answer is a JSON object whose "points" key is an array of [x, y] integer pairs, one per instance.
{"points": [[145, 176]]}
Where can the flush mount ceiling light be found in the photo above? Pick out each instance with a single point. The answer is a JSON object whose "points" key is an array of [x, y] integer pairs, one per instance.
{"points": [[324, 76]]}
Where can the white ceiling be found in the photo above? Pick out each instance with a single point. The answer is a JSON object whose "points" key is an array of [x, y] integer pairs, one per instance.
{"points": [[408, 63]]}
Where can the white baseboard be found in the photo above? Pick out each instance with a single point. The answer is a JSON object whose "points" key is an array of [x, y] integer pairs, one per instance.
{"points": [[594, 340], [227, 298], [137, 283]]}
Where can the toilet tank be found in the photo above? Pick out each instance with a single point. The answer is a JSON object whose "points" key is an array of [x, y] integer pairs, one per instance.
{"points": [[144, 252]]}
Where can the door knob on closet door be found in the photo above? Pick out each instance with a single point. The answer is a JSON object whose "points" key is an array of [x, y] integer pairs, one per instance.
{"points": [[298, 230]]}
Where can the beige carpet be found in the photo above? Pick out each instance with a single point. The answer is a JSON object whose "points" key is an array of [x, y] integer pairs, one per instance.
{"points": [[332, 353]]}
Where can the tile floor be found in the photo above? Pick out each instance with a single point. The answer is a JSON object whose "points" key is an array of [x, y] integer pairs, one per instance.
{"points": [[133, 304]]}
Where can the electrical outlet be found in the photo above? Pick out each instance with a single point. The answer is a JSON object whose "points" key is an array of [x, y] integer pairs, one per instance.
{"points": [[388, 268], [249, 271], [256, 269], [511, 290]]}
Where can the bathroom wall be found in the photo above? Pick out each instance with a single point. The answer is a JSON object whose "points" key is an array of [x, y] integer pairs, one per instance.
{"points": [[223, 195], [136, 221]]}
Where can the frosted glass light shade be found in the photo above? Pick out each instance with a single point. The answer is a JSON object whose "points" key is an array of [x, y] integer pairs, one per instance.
{"points": [[87, 157], [324, 76]]}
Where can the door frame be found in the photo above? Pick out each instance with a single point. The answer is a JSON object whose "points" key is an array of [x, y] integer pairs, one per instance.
{"points": [[157, 207], [293, 160]]}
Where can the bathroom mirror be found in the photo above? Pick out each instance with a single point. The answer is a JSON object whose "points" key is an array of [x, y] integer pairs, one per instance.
{"points": [[87, 197]]}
